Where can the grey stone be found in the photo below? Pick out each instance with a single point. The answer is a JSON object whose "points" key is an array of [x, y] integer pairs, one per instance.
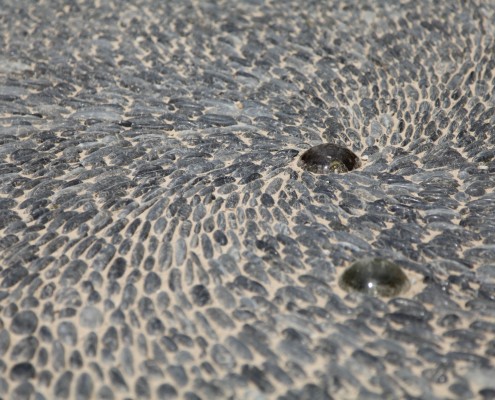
{"points": [[67, 333], [110, 339], [201, 295], [24, 323], [179, 375], [84, 387], [222, 357], [152, 283], [166, 391], [117, 380], [22, 371], [63, 385], [90, 317], [4, 341], [142, 388], [24, 390], [24, 349], [105, 393]]}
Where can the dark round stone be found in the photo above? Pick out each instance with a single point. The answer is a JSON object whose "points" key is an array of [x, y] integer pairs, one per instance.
{"points": [[24, 323], [155, 326], [329, 157], [201, 295], [376, 277], [220, 238]]}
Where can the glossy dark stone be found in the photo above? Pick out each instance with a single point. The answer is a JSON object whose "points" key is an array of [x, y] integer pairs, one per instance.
{"points": [[376, 277], [328, 157]]}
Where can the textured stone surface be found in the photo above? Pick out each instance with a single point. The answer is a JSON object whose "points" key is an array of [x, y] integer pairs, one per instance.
{"points": [[159, 240]]}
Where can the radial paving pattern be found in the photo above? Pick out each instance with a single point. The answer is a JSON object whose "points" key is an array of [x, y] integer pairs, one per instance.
{"points": [[159, 240]]}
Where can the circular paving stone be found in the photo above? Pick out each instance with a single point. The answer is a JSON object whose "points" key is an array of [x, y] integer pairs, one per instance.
{"points": [[376, 277], [328, 157]]}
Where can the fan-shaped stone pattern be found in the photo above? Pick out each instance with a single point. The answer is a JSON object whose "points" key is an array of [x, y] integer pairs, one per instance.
{"points": [[376, 277], [329, 157], [151, 218]]}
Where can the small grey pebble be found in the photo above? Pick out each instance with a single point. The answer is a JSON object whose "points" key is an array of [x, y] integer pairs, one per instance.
{"points": [[67, 333], [117, 379], [63, 385], [142, 388], [110, 339], [222, 357], [152, 283], [220, 238], [84, 387], [4, 341], [178, 374], [165, 392], [24, 323], [25, 349], [24, 391], [22, 371], [105, 393], [200, 295]]}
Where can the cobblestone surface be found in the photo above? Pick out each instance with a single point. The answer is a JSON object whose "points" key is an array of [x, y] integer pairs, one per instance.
{"points": [[158, 239]]}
